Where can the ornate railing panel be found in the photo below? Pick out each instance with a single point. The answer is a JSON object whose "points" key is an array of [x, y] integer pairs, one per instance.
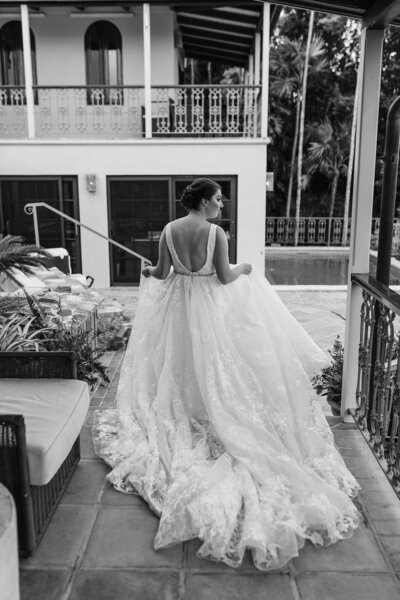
{"points": [[13, 116], [321, 231], [378, 384], [119, 112], [75, 112], [208, 110]]}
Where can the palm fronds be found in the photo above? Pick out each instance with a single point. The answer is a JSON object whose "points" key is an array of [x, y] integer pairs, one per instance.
{"points": [[14, 254]]}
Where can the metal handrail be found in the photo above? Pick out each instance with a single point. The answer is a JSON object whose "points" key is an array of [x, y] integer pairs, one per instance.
{"points": [[31, 208]]}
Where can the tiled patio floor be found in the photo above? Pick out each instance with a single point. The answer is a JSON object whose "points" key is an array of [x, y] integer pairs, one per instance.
{"points": [[99, 543]]}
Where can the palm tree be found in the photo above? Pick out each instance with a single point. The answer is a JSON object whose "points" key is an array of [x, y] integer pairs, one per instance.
{"points": [[301, 127], [286, 64], [14, 254], [328, 153]]}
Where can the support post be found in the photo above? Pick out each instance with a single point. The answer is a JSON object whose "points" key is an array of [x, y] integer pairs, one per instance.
{"points": [[369, 74], [257, 58], [147, 70], [26, 45], [251, 69], [265, 70]]}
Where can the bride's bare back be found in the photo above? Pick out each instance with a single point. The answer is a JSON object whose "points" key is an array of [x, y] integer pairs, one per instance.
{"points": [[190, 238]]}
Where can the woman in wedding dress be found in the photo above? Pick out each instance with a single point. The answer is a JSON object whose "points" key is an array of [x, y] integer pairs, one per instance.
{"points": [[217, 425]]}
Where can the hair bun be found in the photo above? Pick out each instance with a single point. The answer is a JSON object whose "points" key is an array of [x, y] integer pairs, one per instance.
{"points": [[188, 197]]}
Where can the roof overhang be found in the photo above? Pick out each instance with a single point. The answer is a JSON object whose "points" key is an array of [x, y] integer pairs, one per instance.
{"points": [[214, 30]]}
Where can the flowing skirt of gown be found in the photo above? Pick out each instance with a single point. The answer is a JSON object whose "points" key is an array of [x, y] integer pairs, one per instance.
{"points": [[217, 425]]}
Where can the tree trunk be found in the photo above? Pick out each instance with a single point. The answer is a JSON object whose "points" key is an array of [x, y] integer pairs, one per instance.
{"points": [[333, 193], [293, 159], [350, 168], [301, 127]]}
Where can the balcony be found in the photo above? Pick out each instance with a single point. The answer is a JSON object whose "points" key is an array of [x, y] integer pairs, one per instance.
{"points": [[87, 112]]}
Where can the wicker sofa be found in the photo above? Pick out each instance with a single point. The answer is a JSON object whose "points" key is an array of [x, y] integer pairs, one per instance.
{"points": [[42, 409]]}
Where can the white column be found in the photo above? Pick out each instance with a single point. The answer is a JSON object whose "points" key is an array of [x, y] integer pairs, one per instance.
{"points": [[147, 69], [257, 52], [251, 69], [265, 70], [369, 74], [26, 44]]}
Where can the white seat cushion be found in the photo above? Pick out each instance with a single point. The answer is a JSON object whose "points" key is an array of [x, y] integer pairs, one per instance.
{"points": [[54, 412]]}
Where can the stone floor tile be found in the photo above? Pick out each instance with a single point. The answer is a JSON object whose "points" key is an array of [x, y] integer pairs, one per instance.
{"points": [[85, 483], [346, 586], [123, 537], [395, 560], [111, 497], [87, 448], [376, 483], [359, 553], [387, 526], [89, 417], [195, 563], [63, 539], [221, 586], [391, 543], [43, 584], [125, 585]]}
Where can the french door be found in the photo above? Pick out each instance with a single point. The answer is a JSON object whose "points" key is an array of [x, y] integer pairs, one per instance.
{"points": [[54, 232], [140, 207]]}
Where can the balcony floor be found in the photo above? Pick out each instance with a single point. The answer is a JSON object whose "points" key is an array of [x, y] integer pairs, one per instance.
{"points": [[99, 543]]}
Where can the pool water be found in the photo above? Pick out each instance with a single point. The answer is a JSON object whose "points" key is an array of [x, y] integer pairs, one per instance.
{"points": [[311, 268]]}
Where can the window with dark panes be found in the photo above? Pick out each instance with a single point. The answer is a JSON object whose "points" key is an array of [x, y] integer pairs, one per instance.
{"points": [[54, 232], [103, 50], [12, 70]]}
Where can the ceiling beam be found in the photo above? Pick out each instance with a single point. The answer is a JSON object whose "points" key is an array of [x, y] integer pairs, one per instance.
{"points": [[184, 21], [218, 57], [381, 14], [206, 39], [217, 47], [246, 38]]}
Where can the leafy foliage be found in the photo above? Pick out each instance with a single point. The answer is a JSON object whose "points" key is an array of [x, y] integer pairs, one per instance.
{"points": [[14, 254], [329, 382], [17, 333], [90, 368]]}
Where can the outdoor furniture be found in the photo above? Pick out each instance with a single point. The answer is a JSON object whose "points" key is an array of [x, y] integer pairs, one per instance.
{"points": [[9, 576], [42, 409]]}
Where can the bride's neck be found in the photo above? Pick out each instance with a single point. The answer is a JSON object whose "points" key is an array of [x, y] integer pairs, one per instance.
{"points": [[199, 214]]}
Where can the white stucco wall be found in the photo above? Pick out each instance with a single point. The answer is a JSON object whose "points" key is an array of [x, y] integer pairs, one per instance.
{"points": [[245, 159], [60, 46]]}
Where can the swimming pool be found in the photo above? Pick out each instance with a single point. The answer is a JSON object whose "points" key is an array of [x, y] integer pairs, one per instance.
{"points": [[313, 266]]}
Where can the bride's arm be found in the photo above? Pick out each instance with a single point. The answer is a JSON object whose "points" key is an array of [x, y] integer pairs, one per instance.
{"points": [[162, 269], [225, 273]]}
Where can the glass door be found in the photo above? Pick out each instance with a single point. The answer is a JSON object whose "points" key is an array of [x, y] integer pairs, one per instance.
{"points": [[139, 209], [54, 232]]}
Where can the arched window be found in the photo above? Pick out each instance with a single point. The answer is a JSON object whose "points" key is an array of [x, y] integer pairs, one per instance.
{"points": [[12, 56], [103, 50]]}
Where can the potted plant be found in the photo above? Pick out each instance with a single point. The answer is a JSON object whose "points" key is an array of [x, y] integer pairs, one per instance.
{"points": [[329, 382]]}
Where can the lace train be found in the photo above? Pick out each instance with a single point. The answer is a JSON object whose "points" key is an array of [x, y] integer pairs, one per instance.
{"points": [[218, 428]]}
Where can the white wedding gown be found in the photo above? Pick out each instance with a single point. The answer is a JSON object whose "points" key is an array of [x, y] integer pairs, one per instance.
{"points": [[217, 425]]}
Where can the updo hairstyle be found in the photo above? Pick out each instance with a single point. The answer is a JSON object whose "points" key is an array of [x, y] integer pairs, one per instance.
{"points": [[198, 189]]}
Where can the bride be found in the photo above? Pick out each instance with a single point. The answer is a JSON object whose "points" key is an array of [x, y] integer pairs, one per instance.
{"points": [[217, 425]]}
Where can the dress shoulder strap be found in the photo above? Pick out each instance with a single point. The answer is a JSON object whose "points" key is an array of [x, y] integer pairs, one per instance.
{"points": [[211, 242]]}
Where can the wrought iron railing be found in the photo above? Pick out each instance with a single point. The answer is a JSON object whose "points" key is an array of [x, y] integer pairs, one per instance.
{"points": [[378, 384], [13, 115], [320, 231], [119, 112]]}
